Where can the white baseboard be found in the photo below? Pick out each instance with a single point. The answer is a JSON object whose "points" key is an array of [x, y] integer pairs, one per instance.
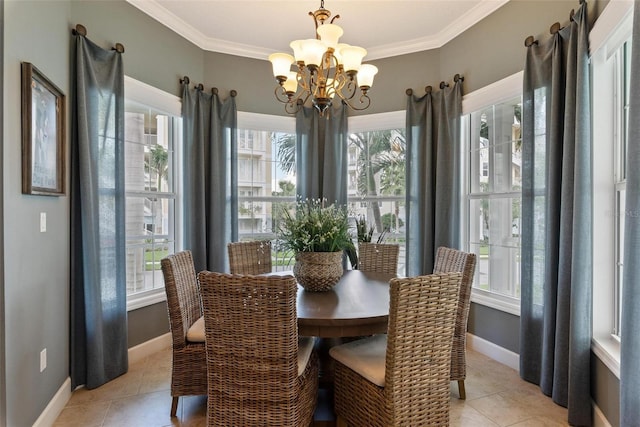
{"points": [[147, 348], [55, 406], [62, 396], [494, 351], [599, 420]]}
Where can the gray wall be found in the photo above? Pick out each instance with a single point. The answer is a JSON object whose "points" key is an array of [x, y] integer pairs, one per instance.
{"points": [[36, 299], [36, 275]]}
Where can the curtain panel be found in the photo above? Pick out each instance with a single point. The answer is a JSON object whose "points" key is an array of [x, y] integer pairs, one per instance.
{"points": [[321, 154], [98, 259], [556, 281], [630, 338], [433, 175], [210, 176]]}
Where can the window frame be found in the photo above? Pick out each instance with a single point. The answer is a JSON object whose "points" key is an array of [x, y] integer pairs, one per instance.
{"points": [[159, 100], [380, 122], [495, 93], [608, 35]]}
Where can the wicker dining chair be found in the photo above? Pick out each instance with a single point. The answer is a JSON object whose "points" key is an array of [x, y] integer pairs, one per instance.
{"points": [[378, 257], [260, 372], [250, 257], [189, 367], [452, 260], [401, 378]]}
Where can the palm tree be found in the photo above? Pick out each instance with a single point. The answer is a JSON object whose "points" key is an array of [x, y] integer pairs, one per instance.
{"points": [[286, 153], [377, 152], [159, 162], [392, 183]]}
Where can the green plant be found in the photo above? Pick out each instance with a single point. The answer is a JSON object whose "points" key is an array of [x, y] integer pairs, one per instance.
{"points": [[315, 227], [364, 234]]}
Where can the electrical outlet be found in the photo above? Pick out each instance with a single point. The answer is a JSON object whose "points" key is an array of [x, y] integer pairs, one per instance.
{"points": [[43, 359], [43, 222]]}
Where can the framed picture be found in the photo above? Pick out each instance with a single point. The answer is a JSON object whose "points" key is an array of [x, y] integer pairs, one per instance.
{"points": [[43, 135]]}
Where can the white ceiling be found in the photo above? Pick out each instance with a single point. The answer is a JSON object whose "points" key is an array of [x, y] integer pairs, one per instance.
{"points": [[256, 28]]}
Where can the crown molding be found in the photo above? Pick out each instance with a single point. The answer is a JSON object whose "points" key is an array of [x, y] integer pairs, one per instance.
{"points": [[179, 26]]}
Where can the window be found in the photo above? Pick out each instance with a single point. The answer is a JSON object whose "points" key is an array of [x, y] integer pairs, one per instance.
{"points": [[152, 135], [266, 179], [622, 59], [491, 221], [377, 192], [611, 47]]}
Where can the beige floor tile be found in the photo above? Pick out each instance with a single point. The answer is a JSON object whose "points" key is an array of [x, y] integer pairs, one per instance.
{"points": [[125, 385], [152, 409], [86, 415], [462, 414], [496, 396], [541, 422], [502, 410]]}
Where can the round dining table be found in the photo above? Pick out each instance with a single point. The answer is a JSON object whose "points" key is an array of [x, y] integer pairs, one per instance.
{"points": [[357, 305]]}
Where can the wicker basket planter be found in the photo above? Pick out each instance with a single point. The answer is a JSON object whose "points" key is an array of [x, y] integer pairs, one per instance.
{"points": [[318, 271]]}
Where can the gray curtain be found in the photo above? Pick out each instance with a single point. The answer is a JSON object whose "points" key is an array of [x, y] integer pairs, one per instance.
{"points": [[321, 154], [433, 175], [210, 178], [98, 276], [556, 282], [630, 338]]}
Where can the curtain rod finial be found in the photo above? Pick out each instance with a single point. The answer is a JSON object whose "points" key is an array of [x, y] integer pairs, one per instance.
{"points": [[79, 30]]}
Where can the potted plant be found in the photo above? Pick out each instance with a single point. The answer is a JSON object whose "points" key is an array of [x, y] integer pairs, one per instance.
{"points": [[318, 234]]}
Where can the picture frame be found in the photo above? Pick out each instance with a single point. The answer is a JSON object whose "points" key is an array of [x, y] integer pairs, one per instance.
{"points": [[43, 134]]}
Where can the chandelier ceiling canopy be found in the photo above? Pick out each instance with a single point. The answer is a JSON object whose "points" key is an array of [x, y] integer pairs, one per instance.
{"points": [[324, 68]]}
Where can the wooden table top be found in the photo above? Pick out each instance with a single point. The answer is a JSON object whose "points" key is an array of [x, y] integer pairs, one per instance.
{"points": [[357, 305]]}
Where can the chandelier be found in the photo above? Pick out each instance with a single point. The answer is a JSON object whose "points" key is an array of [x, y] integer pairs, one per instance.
{"points": [[324, 68]]}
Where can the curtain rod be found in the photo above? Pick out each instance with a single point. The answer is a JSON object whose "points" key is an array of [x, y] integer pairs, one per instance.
{"points": [[530, 41], [443, 84], [81, 30], [200, 86]]}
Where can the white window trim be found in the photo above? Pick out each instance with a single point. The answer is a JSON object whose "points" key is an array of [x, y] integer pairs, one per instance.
{"points": [[495, 93], [145, 94], [610, 31]]}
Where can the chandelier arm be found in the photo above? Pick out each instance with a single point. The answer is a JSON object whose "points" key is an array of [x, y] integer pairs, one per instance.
{"points": [[351, 89], [293, 107], [365, 102]]}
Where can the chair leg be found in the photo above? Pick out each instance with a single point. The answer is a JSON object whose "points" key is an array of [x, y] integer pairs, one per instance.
{"points": [[461, 392], [174, 406]]}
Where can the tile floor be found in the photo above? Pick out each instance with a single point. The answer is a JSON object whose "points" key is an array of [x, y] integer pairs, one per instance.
{"points": [[496, 396]]}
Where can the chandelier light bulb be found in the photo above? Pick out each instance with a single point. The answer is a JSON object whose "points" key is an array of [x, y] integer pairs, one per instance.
{"points": [[291, 85], [281, 63], [298, 50], [366, 74], [329, 34], [313, 50], [352, 57]]}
